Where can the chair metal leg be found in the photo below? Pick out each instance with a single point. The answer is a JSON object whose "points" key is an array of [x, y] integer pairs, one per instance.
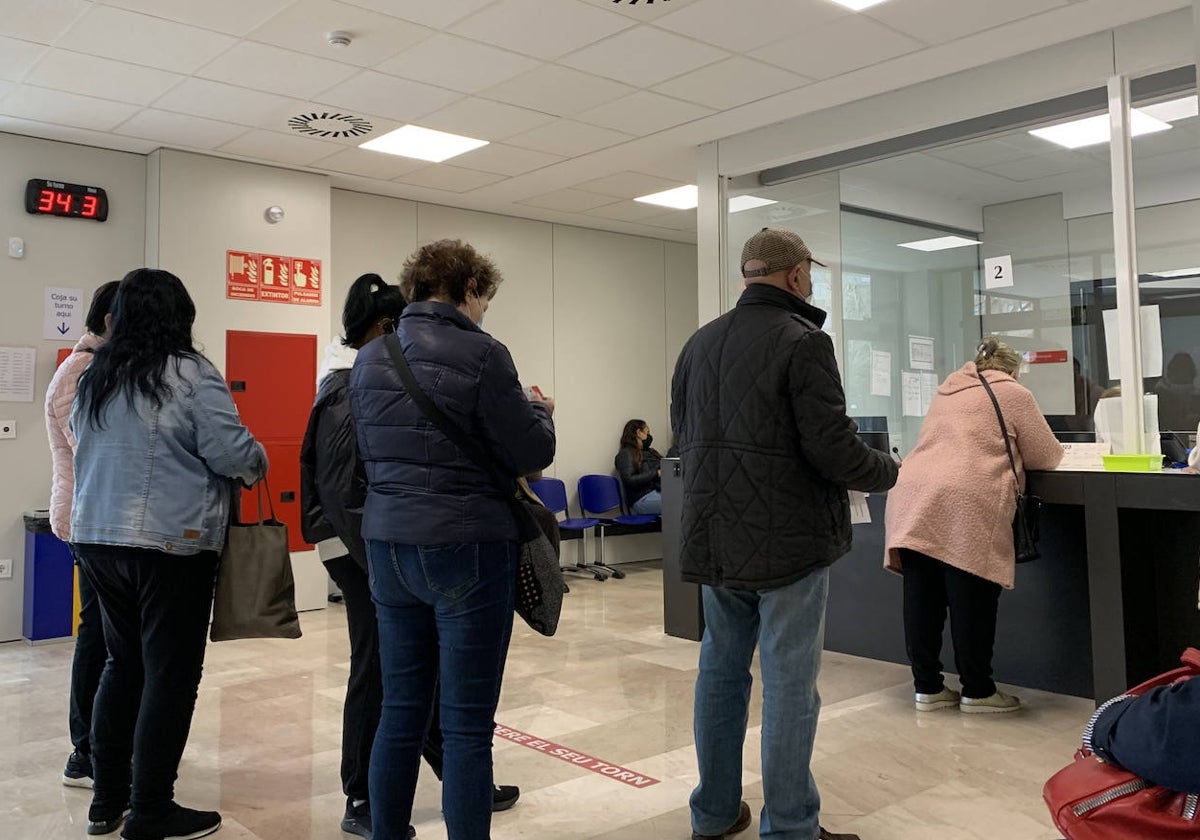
{"points": [[582, 568], [599, 564]]}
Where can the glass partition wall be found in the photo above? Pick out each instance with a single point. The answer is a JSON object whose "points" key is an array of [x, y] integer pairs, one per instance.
{"points": [[1011, 233]]}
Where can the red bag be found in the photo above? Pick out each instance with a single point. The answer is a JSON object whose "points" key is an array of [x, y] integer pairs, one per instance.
{"points": [[1091, 800]]}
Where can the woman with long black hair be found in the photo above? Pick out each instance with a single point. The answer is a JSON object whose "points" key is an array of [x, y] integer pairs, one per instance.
{"points": [[640, 467], [160, 449]]}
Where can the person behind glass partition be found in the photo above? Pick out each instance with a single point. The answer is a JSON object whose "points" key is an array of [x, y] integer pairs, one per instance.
{"points": [[949, 524]]}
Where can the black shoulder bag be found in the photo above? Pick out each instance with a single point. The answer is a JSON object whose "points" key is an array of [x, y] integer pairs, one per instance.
{"points": [[1025, 521], [539, 581]]}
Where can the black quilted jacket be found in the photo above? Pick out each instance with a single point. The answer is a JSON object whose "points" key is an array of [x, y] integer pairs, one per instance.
{"points": [[767, 449]]}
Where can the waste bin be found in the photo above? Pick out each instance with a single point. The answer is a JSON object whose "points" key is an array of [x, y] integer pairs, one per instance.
{"points": [[49, 581]]}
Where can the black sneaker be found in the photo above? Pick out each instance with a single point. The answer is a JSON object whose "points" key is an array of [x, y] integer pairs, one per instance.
{"points": [[178, 823], [504, 797], [78, 772], [358, 820], [100, 823]]}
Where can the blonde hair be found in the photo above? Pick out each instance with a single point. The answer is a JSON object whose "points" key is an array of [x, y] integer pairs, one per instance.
{"points": [[994, 354]]}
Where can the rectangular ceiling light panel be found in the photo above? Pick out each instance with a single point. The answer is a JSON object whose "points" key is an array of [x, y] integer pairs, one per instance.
{"points": [[412, 141], [941, 243], [858, 5], [1092, 131], [680, 198], [748, 202]]}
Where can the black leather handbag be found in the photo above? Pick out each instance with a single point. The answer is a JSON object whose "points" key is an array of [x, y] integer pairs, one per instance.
{"points": [[1029, 507], [539, 581]]}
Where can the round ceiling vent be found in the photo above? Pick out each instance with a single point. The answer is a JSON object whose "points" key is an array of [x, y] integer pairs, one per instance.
{"points": [[330, 124]]}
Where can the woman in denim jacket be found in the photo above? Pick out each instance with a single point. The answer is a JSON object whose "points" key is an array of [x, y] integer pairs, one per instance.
{"points": [[160, 448]]}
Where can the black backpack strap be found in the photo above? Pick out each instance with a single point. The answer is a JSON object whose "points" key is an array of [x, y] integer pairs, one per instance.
{"points": [[1003, 428], [481, 457]]}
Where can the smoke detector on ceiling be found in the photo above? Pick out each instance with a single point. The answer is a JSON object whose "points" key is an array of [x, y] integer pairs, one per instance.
{"points": [[330, 124], [339, 39]]}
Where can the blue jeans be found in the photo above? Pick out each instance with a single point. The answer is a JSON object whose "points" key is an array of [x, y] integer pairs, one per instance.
{"points": [[788, 625], [445, 612], [650, 503]]}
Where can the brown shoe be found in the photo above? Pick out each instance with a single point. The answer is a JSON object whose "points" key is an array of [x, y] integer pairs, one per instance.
{"points": [[743, 822], [829, 835]]}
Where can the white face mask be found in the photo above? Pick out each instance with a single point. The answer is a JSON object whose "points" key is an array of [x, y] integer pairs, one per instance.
{"points": [[482, 311]]}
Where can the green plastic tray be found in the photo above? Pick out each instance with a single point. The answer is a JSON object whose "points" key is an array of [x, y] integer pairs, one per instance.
{"points": [[1133, 463]]}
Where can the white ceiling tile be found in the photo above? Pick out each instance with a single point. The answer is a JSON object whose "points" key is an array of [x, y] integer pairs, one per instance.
{"points": [[675, 220], [220, 101], [102, 77], [846, 44], [40, 21], [473, 68], [1036, 168], [752, 24], [102, 140], [5, 88], [16, 57], [644, 113], [437, 13], [53, 106], [981, 153], [626, 211], [505, 160], [569, 139], [568, 201], [236, 17], [376, 37], [449, 178], [273, 146], [539, 28], [141, 39], [628, 185], [397, 99], [485, 120], [936, 21], [644, 56], [369, 164], [678, 163], [276, 70], [179, 129], [558, 90], [728, 84]]}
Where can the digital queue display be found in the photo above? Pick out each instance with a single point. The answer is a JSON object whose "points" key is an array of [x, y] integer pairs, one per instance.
{"points": [[44, 197]]}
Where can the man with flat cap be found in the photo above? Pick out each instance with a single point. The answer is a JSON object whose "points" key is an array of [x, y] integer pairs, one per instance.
{"points": [[768, 454]]}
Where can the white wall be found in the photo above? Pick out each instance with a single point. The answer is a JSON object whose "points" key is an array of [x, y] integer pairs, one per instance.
{"points": [[595, 319], [58, 252], [205, 206]]}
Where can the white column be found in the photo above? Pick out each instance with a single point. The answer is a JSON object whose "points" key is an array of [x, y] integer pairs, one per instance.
{"points": [[710, 234], [1129, 320]]}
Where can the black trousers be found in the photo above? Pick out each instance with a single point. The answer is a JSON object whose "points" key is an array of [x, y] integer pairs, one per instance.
{"points": [[932, 587], [364, 689], [155, 609], [88, 664]]}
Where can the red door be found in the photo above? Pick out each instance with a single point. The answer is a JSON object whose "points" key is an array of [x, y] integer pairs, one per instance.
{"points": [[273, 378]]}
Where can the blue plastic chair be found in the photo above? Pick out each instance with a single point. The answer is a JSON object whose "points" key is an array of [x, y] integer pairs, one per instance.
{"points": [[601, 494], [553, 494]]}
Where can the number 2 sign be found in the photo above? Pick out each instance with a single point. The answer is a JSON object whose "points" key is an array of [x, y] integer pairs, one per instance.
{"points": [[997, 272]]}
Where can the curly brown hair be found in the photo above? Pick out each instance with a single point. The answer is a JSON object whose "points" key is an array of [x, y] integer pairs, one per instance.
{"points": [[445, 269]]}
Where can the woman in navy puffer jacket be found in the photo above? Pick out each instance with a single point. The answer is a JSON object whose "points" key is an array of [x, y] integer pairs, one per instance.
{"points": [[441, 538]]}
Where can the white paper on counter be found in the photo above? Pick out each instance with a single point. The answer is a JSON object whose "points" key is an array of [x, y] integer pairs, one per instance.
{"points": [[16, 373], [881, 373], [1084, 456], [920, 352], [910, 386], [1152, 353], [860, 514]]}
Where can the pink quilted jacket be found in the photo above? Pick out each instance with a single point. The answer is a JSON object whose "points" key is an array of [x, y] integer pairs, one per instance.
{"points": [[956, 497], [59, 396]]}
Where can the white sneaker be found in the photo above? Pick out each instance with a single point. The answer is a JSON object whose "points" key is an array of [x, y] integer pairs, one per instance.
{"points": [[945, 699], [998, 703]]}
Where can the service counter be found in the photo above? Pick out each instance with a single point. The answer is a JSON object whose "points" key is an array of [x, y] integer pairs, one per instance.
{"points": [[1112, 600]]}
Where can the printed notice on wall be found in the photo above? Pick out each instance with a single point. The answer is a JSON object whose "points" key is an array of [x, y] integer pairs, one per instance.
{"points": [[16, 374], [1152, 352], [997, 272], [881, 373], [910, 388], [929, 386], [63, 314], [920, 352], [272, 278]]}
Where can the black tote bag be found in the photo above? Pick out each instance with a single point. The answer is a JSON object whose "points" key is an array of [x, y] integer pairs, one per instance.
{"points": [[1029, 507]]}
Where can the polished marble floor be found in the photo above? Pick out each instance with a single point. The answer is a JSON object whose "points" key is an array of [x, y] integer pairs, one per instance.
{"points": [[265, 745]]}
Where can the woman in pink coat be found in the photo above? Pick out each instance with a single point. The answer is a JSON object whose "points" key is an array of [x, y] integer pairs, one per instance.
{"points": [[949, 525]]}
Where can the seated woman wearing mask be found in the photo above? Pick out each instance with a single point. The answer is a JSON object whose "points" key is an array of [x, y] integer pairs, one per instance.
{"points": [[640, 469]]}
